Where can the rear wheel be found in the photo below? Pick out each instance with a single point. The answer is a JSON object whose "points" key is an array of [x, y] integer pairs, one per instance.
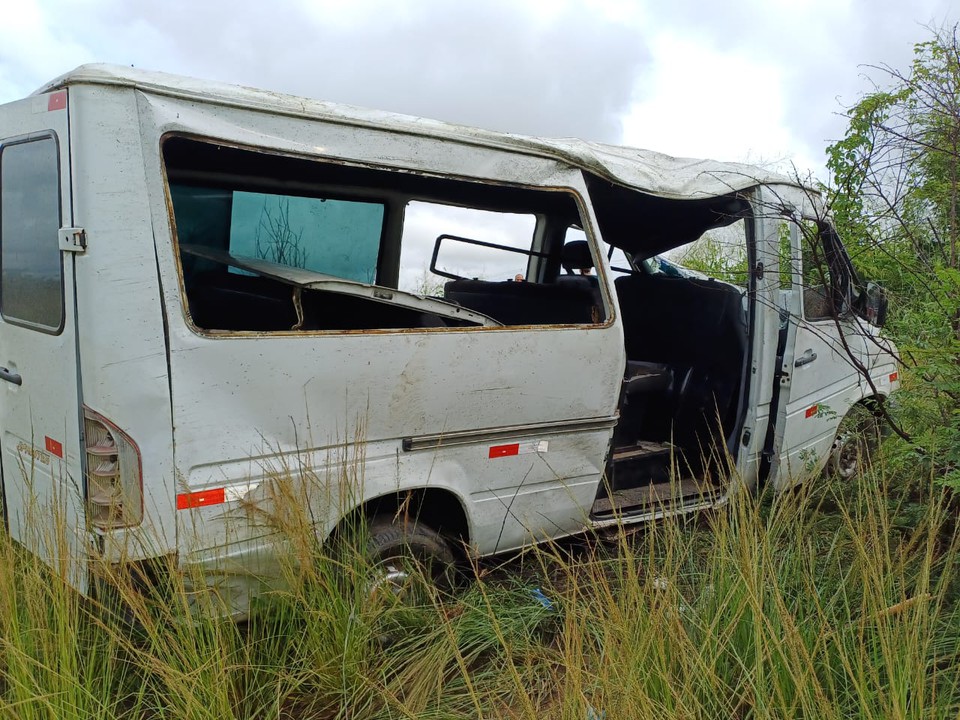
{"points": [[857, 439], [411, 561]]}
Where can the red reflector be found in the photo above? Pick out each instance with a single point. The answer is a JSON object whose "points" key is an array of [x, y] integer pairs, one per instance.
{"points": [[57, 101], [53, 446], [505, 450], [811, 411], [185, 501], [894, 376]]}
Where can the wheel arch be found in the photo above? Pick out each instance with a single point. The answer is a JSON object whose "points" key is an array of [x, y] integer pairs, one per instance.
{"points": [[438, 508], [873, 402]]}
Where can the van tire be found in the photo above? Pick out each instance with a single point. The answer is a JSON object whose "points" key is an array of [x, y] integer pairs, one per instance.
{"points": [[404, 554], [857, 440]]}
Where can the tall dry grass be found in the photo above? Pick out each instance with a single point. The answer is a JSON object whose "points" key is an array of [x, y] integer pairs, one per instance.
{"points": [[840, 602]]}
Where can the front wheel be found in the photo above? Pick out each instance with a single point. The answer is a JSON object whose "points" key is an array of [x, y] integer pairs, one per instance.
{"points": [[857, 439]]}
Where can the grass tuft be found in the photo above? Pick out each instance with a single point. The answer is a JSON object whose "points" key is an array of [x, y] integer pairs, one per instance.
{"points": [[835, 602]]}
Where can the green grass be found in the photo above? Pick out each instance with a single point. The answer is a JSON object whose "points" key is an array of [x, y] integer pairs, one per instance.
{"points": [[840, 602]]}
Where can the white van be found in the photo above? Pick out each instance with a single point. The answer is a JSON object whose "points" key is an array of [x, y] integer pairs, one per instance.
{"points": [[203, 287]]}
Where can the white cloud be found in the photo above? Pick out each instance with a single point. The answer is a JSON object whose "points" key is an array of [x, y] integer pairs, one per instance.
{"points": [[33, 49], [700, 102], [664, 75]]}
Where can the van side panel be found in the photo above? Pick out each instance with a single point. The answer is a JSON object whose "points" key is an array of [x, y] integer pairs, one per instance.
{"points": [[119, 306], [249, 409]]}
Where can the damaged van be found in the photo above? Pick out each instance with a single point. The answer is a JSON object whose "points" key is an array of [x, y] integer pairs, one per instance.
{"points": [[204, 288]]}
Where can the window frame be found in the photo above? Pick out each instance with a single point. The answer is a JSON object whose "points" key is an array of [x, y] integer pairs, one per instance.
{"points": [[842, 277], [4, 145], [394, 202]]}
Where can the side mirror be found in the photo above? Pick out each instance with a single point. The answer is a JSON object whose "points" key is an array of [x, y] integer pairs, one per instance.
{"points": [[875, 305]]}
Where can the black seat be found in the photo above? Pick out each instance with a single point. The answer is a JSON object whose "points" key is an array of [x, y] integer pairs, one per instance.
{"points": [[646, 377], [697, 328], [575, 257], [523, 303], [223, 300]]}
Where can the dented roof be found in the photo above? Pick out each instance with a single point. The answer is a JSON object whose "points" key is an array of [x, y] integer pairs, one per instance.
{"points": [[643, 170]]}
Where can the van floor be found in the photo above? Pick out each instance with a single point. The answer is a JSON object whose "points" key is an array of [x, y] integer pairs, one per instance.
{"points": [[629, 500]]}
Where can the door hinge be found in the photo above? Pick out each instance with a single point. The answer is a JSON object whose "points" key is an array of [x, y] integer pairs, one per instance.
{"points": [[73, 239]]}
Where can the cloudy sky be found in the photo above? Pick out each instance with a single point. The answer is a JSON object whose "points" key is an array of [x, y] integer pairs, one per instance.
{"points": [[756, 80]]}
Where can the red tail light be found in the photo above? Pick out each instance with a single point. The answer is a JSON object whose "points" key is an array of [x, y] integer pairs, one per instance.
{"points": [[114, 474]]}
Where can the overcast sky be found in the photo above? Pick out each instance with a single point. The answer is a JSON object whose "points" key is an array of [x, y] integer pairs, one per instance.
{"points": [[757, 80]]}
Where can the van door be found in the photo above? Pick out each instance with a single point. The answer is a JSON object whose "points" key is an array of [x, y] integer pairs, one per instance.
{"points": [[819, 379], [43, 484]]}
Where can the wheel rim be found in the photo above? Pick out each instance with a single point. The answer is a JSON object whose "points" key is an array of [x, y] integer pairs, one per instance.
{"points": [[857, 437], [846, 455], [391, 577], [396, 580]]}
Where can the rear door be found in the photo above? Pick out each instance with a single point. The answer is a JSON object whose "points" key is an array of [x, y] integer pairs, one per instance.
{"points": [[43, 483]]}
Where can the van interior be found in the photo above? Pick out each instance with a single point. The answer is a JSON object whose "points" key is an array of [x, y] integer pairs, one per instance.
{"points": [[269, 243]]}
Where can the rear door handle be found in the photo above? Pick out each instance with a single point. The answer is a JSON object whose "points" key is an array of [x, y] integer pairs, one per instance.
{"points": [[808, 357], [11, 377]]}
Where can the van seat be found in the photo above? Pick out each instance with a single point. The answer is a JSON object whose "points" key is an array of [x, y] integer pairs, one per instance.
{"points": [[524, 303], [642, 378], [697, 328], [231, 301]]}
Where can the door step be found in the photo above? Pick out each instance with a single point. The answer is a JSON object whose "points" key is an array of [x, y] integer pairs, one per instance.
{"points": [[629, 500], [642, 449]]}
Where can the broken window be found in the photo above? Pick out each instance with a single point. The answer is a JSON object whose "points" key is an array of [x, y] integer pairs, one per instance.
{"points": [[825, 270], [787, 257], [482, 245], [720, 253], [274, 243]]}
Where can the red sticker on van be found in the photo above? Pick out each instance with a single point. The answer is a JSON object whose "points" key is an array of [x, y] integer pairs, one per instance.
{"points": [[53, 446], [811, 411], [185, 501], [57, 101], [498, 451]]}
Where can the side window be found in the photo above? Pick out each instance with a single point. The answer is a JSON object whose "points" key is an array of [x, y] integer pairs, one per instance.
{"points": [[720, 253], [825, 279], [324, 235], [334, 237], [424, 222], [619, 262], [270, 243], [788, 259], [31, 287]]}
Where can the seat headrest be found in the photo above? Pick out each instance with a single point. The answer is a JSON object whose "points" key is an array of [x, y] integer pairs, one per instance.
{"points": [[575, 255]]}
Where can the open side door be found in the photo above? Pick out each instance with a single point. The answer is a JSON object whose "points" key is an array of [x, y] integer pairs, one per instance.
{"points": [[40, 426]]}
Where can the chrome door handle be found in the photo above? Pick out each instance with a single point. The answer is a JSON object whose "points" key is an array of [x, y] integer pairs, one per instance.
{"points": [[808, 357], [11, 377]]}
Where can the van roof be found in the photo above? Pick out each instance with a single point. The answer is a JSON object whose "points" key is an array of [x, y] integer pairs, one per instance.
{"points": [[643, 170]]}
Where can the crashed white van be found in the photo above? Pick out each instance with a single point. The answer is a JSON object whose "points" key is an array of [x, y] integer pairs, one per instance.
{"points": [[205, 287]]}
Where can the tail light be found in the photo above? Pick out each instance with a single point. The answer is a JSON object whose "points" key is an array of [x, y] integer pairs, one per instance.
{"points": [[114, 474]]}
